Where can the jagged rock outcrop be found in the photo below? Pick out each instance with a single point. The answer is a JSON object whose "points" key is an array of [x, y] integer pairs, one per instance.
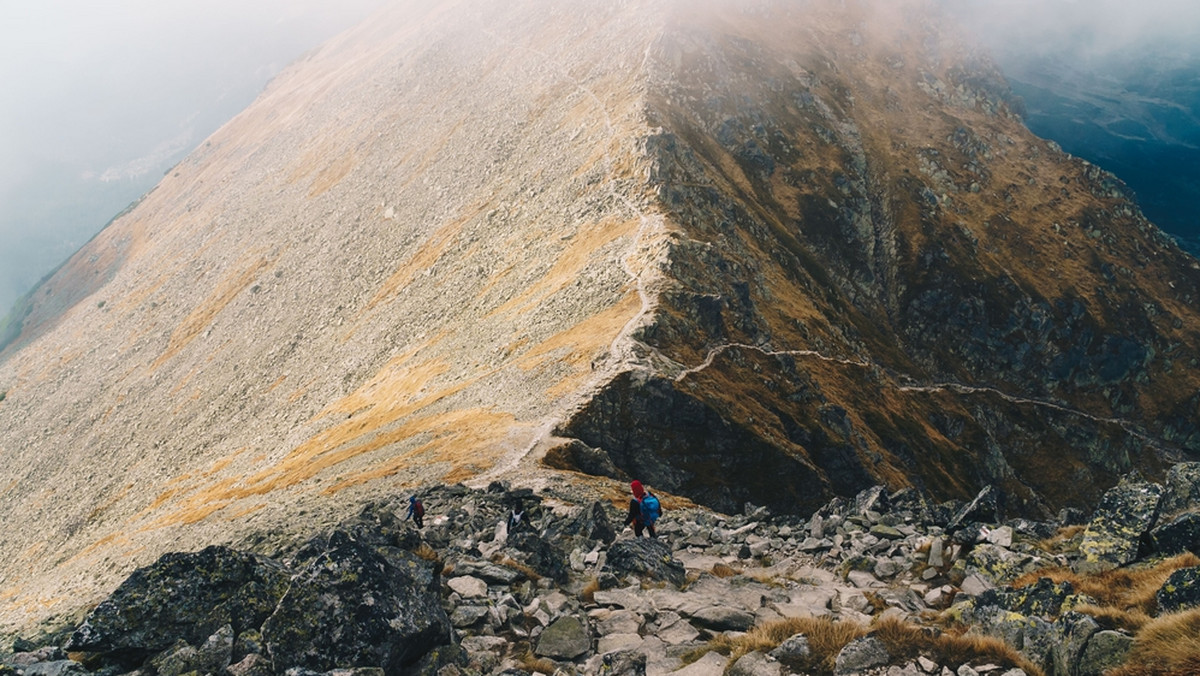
{"points": [[750, 571], [187, 597], [772, 253]]}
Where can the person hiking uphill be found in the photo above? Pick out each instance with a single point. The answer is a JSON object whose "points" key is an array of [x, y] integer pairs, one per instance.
{"points": [[416, 511], [644, 510]]}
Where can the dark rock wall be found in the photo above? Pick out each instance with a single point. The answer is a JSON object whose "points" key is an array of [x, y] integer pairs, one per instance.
{"points": [[881, 276]]}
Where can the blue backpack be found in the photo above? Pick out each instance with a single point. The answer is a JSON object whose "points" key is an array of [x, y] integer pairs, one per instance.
{"points": [[650, 509]]}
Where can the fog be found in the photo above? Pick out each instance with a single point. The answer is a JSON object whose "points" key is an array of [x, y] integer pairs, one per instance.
{"points": [[101, 97], [1085, 29]]}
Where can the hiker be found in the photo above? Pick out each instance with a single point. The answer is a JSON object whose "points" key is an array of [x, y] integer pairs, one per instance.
{"points": [[644, 510], [416, 511], [516, 521]]}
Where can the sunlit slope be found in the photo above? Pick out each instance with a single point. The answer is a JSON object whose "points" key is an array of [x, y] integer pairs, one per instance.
{"points": [[772, 252], [396, 267]]}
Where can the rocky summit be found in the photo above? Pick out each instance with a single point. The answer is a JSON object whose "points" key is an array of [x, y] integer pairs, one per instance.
{"points": [[777, 252], [505, 582]]}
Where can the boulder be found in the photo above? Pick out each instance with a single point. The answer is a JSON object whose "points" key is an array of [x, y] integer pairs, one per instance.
{"points": [[358, 605], [211, 658], [645, 557], [997, 565], [590, 522], [712, 664], [540, 555], [1069, 636], [674, 630], [468, 587], [886, 532], [755, 664], [1180, 591], [1125, 515], [182, 596], [985, 508], [24, 658], [1044, 598], [565, 639], [860, 655], [55, 668], [623, 663], [466, 616], [1182, 488], [1038, 641], [490, 573], [1180, 535], [724, 618], [483, 652], [1106, 650], [578, 456], [614, 643], [873, 499], [620, 622], [793, 652], [252, 664], [442, 660], [1001, 537]]}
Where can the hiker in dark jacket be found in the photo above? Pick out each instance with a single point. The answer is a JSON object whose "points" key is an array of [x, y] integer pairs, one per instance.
{"points": [[643, 510], [416, 511]]}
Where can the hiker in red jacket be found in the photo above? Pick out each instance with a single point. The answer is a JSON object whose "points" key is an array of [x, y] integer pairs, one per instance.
{"points": [[644, 510]]}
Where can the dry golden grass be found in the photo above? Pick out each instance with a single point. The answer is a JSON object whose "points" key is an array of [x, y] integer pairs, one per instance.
{"points": [[904, 641], [537, 665], [1062, 535], [1126, 589], [722, 570], [516, 565], [1167, 645], [426, 552], [202, 316], [588, 593], [1115, 618], [826, 639], [907, 641]]}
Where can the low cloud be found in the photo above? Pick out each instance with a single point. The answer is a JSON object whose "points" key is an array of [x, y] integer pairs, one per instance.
{"points": [[1094, 30]]}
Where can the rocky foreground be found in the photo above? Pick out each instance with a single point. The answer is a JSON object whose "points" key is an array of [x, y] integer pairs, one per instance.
{"points": [[883, 584]]}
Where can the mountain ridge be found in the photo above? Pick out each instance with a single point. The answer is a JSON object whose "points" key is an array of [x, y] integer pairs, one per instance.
{"points": [[670, 241]]}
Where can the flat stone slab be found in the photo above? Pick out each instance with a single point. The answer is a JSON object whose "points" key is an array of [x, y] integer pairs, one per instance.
{"points": [[712, 664]]}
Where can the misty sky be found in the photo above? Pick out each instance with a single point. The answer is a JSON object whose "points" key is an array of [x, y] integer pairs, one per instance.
{"points": [[101, 97], [1090, 28]]}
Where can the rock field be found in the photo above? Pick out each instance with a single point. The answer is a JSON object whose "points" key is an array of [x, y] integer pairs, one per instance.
{"points": [[567, 591]]}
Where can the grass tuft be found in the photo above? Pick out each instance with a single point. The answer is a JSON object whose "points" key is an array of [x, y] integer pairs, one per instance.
{"points": [[1166, 645], [722, 570], [530, 574], [906, 641], [588, 593], [826, 639], [537, 665], [1108, 617], [1127, 589], [1061, 537], [426, 552]]}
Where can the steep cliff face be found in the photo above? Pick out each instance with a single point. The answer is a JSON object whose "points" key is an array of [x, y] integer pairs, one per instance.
{"points": [[881, 275], [771, 253]]}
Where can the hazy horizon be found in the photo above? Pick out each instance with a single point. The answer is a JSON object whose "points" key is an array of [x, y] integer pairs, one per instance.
{"points": [[102, 98]]}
